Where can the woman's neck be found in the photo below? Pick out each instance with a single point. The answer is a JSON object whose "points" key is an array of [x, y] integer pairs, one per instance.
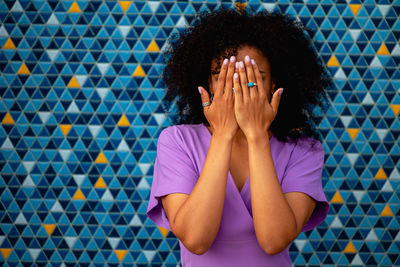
{"points": [[240, 138]]}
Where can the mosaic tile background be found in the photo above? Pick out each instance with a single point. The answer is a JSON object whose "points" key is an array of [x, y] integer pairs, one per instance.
{"points": [[80, 115]]}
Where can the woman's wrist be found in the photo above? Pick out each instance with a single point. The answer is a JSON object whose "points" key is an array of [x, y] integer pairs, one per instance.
{"points": [[223, 137], [257, 136], [258, 140]]}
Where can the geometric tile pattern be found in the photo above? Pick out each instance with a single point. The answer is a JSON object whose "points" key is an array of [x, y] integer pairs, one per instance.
{"points": [[80, 115]]}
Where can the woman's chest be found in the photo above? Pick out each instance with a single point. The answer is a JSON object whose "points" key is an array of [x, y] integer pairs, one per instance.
{"points": [[239, 167]]}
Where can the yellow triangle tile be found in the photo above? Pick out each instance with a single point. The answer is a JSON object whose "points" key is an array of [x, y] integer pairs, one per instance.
{"points": [[153, 47], [78, 195], [353, 132], [355, 8], [240, 6], [383, 50], [49, 228], [65, 128], [100, 183], [396, 109], [381, 174], [23, 69], [74, 7], [333, 62], [73, 83], [163, 231], [337, 198], [125, 5], [387, 211], [123, 121], [101, 158], [120, 254], [350, 248], [9, 44], [139, 71], [5, 252], [8, 119]]}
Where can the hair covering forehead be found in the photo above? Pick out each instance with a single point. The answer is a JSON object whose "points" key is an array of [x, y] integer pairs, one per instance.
{"points": [[227, 53]]}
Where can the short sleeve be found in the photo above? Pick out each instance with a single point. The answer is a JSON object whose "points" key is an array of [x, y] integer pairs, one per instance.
{"points": [[173, 172], [304, 174]]}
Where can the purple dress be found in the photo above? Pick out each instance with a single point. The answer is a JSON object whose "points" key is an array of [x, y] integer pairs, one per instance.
{"points": [[181, 153]]}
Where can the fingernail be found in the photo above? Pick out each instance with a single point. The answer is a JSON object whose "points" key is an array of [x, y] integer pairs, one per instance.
{"points": [[237, 64], [280, 92], [200, 91], [226, 61], [241, 64], [235, 75], [247, 59], [253, 62], [232, 59]]}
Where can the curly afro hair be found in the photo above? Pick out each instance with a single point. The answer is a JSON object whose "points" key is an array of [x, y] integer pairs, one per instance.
{"points": [[283, 40]]}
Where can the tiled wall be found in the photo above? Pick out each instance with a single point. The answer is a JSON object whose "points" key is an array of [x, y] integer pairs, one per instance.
{"points": [[80, 115]]}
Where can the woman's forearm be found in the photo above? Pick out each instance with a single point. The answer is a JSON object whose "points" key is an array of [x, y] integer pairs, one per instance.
{"points": [[274, 221], [198, 219]]}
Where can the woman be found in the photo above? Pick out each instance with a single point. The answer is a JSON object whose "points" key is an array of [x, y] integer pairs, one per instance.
{"points": [[240, 177]]}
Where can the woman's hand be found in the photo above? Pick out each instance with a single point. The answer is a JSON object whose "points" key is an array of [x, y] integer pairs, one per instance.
{"points": [[253, 111], [221, 114]]}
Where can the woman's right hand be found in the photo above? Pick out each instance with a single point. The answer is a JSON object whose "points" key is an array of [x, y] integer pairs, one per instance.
{"points": [[221, 113]]}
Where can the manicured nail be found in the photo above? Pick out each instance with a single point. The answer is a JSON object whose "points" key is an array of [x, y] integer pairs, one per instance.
{"points": [[241, 64], [232, 59], [237, 65], [253, 62], [247, 59], [226, 61], [235, 75], [280, 92], [200, 91]]}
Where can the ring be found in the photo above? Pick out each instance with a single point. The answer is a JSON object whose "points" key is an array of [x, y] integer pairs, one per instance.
{"points": [[250, 84], [233, 90], [206, 104]]}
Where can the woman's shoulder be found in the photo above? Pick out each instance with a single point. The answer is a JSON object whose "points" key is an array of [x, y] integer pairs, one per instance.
{"points": [[309, 143], [303, 146], [181, 133], [180, 129], [303, 142], [308, 148]]}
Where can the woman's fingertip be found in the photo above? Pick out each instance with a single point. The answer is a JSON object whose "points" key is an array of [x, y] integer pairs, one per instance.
{"points": [[280, 91], [199, 88]]}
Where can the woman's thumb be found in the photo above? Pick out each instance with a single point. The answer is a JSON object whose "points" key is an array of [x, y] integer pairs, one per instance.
{"points": [[205, 99]]}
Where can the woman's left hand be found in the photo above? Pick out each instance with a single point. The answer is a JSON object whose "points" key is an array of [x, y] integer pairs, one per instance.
{"points": [[254, 113]]}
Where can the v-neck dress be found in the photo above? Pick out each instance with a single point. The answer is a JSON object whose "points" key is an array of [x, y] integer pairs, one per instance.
{"points": [[181, 153]]}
